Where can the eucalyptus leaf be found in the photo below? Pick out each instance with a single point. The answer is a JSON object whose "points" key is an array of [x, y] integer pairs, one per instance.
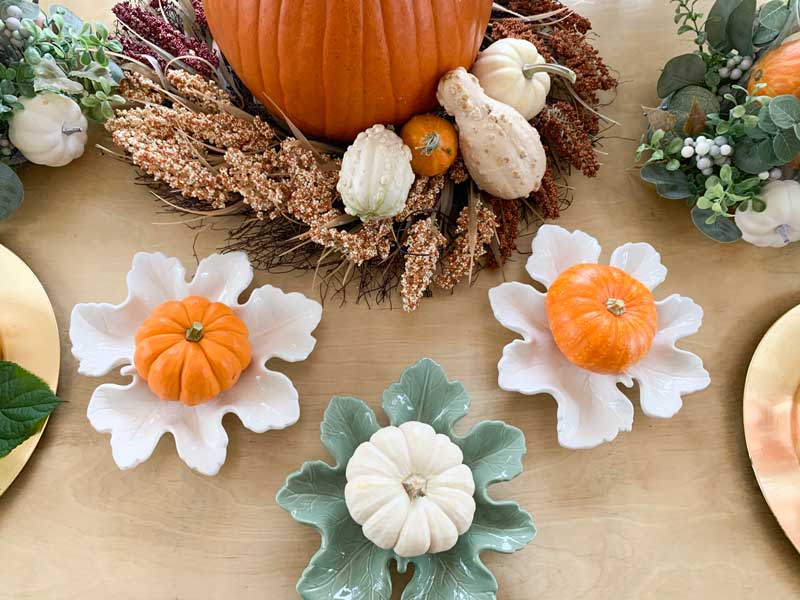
{"points": [[657, 173], [683, 70], [773, 15], [683, 100], [717, 23], [785, 111], [25, 403], [763, 35], [11, 191], [765, 122], [786, 146], [740, 27], [71, 21], [722, 230], [48, 76], [754, 157]]}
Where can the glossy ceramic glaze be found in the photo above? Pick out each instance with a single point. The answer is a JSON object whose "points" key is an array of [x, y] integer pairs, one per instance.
{"points": [[102, 336], [771, 414], [591, 407], [347, 564], [28, 337]]}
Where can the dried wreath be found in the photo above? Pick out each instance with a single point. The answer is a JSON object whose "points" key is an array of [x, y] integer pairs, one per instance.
{"points": [[206, 147]]}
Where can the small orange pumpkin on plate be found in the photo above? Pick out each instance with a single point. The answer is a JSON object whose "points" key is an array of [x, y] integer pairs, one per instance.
{"points": [[779, 70], [602, 319], [191, 350], [433, 142]]}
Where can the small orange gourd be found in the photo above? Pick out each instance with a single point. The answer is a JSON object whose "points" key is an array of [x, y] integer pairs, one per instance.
{"points": [[433, 142], [602, 319], [191, 350], [779, 69]]}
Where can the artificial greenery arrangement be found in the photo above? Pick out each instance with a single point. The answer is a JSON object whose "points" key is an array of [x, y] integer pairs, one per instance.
{"points": [[25, 403], [54, 69], [726, 136], [378, 181]]}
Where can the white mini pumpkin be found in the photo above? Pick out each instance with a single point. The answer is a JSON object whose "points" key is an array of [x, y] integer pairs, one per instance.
{"points": [[376, 175], [513, 72], [501, 150], [50, 130], [409, 489], [779, 224]]}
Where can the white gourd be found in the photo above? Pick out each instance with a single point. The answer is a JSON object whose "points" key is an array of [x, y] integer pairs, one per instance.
{"points": [[779, 224], [376, 175], [513, 72], [409, 489], [501, 150], [50, 130]]}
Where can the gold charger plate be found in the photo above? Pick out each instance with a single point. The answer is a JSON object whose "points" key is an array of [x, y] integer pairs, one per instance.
{"points": [[28, 337], [772, 420]]}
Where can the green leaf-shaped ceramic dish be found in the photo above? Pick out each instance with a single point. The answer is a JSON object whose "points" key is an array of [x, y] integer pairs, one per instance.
{"points": [[348, 565]]}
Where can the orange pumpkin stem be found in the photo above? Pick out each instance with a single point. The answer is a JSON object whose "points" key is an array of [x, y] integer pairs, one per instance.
{"points": [[616, 306], [195, 332], [430, 143]]}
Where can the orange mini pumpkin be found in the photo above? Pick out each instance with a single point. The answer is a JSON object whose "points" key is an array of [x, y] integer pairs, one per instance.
{"points": [[191, 350], [779, 69], [433, 142], [601, 318]]}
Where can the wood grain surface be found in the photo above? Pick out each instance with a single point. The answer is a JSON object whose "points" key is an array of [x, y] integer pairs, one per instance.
{"points": [[669, 511]]}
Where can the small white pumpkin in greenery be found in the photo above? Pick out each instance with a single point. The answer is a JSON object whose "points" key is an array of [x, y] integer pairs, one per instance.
{"points": [[50, 129], [409, 489], [779, 223], [501, 150], [513, 72], [376, 175]]}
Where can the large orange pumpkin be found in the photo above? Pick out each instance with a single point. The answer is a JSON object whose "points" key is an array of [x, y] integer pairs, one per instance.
{"points": [[601, 318], [190, 350], [338, 67], [779, 69]]}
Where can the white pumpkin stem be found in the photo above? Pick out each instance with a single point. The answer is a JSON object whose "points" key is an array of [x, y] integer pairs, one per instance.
{"points": [[195, 332], [71, 130], [783, 231], [416, 487], [429, 143], [530, 70], [616, 306]]}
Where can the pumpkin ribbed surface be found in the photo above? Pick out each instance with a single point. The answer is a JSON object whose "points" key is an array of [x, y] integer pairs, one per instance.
{"points": [[601, 318], [191, 350], [336, 67], [779, 69]]}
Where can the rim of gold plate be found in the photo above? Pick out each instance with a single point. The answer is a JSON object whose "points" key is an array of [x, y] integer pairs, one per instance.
{"points": [[771, 414], [28, 337]]}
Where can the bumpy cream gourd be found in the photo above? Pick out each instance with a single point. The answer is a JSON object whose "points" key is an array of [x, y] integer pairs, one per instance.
{"points": [[409, 489], [376, 175], [501, 150]]}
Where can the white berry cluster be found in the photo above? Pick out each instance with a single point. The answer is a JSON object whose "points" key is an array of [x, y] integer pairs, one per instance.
{"points": [[775, 173], [736, 66], [707, 153]]}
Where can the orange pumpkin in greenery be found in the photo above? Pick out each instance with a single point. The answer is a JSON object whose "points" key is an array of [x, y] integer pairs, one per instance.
{"points": [[337, 68], [433, 142], [191, 350], [601, 318], [779, 69]]}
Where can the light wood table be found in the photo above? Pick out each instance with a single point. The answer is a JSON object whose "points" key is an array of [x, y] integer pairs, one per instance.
{"points": [[669, 511]]}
